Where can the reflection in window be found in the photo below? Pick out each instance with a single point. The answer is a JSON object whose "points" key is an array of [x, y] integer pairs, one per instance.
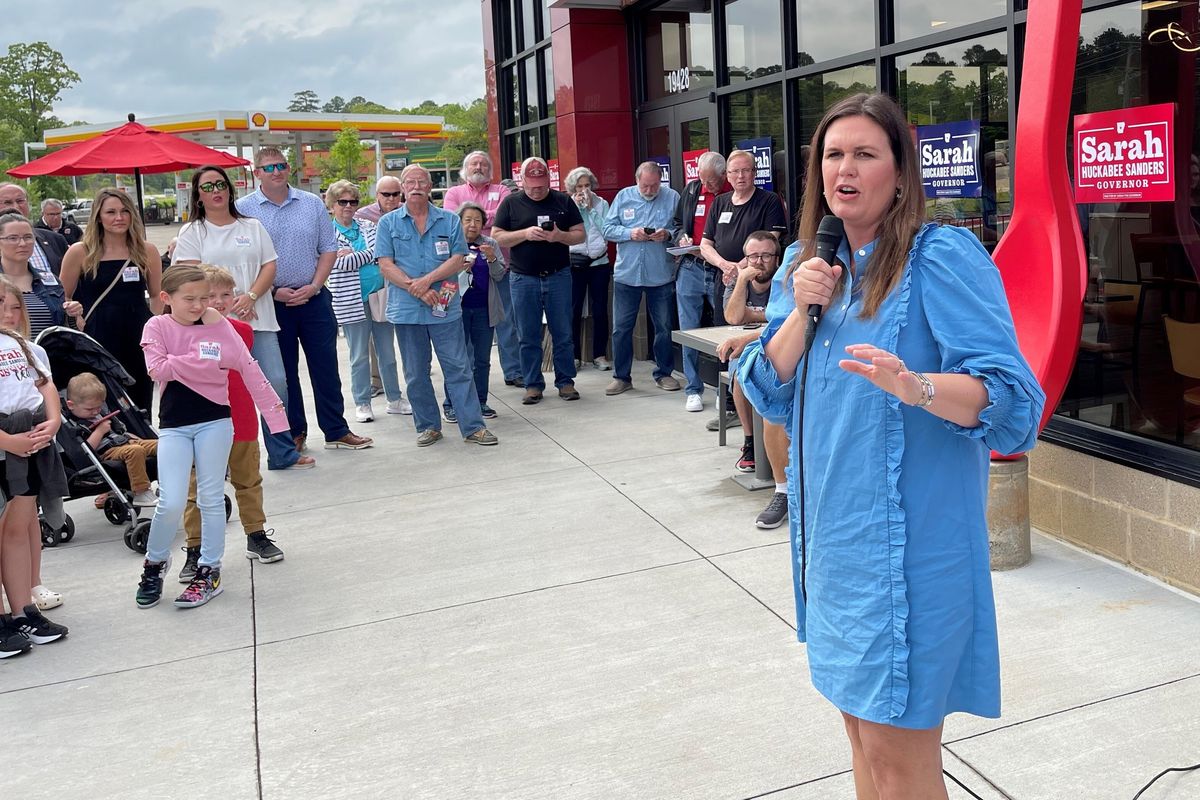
{"points": [[513, 144], [510, 9], [529, 14], [753, 46], [921, 17], [658, 142], [818, 93], [512, 90], [549, 62], [695, 134], [529, 67], [831, 28], [758, 114], [552, 134], [679, 48]]}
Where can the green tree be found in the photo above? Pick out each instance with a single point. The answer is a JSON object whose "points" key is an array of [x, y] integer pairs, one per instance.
{"points": [[335, 105], [305, 101], [346, 157], [34, 78], [466, 129]]}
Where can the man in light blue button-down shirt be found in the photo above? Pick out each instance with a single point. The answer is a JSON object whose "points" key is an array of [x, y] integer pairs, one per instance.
{"points": [[641, 222]]}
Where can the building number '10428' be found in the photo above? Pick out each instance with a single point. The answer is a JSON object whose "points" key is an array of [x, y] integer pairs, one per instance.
{"points": [[678, 80]]}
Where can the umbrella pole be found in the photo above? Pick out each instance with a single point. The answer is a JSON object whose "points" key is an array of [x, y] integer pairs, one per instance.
{"points": [[137, 181]]}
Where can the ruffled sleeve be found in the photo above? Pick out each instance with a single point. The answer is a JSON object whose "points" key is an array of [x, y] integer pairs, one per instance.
{"points": [[770, 396], [968, 313]]}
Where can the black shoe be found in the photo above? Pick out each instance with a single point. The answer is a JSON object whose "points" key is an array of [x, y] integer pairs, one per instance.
{"points": [[518, 382], [487, 411], [260, 546], [150, 587], [775, 513], [37, 628], [12, 641], [449, 414], [190, 562]]}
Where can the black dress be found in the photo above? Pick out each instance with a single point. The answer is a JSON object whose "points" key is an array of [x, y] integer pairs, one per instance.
{"points": [[118, 322]]}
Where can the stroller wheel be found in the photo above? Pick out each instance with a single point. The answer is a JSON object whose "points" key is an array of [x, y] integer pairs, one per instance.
{"points": [[49, 535], [228, 508], [68, 532], [115, 511], [137, 536]]}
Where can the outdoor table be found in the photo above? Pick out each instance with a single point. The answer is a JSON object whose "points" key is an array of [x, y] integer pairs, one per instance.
{"points": [[705, 341]]}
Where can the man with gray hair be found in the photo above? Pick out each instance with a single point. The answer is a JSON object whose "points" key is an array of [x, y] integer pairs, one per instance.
{"points": [[52, 220], [388, 196], [698, 286], [640, 222], [540, 224], [478, 187]]}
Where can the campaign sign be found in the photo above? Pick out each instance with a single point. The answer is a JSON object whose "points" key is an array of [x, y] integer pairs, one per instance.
{"points": [[1125, 155], [552, 168], [516, 172], [691, 164], [761, 150], [950, 159], [665, 163]]}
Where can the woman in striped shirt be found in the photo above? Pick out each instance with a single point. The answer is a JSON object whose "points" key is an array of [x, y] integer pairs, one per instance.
{"points": [[43, 295]]}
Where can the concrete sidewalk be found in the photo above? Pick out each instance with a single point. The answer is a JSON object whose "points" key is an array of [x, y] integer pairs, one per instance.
{"points": [[585, 611]]}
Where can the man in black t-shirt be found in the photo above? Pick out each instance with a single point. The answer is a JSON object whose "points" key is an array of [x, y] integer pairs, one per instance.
{"points": [[539, 225], [736, 215]]}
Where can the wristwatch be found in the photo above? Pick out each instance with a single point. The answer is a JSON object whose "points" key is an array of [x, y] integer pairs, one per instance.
{"points": [[252, 296]]}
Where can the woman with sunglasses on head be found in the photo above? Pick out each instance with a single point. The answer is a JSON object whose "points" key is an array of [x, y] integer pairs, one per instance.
{"points": [[219, 234], [109, 272]]}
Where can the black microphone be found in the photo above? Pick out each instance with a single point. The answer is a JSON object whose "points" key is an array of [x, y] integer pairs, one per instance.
{"points": [[830, 233]]}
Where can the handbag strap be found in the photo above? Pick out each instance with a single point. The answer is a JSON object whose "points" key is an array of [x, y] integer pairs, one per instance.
{"points": [[104, 294]]}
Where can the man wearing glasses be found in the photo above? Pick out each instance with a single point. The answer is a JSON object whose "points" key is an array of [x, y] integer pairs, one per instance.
{"points": [[306, 246], [388, 197], [540, 224], [49, 247], [737, 214]]}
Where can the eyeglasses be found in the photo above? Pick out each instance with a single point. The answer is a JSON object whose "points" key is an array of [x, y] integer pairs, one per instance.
{"points": [[214, 186], [390, 194], [26, 239], [535, 173], [346, 203], [273, 168], [759, 258], [741, 172]]}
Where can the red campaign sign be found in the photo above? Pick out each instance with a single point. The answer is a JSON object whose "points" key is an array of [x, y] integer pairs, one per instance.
{"points": [[691, 164], [516, 172], [1125, 156], [552, 167]]}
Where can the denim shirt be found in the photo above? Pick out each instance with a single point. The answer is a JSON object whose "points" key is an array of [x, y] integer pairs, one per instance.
{"points": [[50, 292], [418, 254], [642, 263]]}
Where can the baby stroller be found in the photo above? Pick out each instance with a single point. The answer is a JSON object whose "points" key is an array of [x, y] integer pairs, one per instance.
{"points": [[72, 352]]}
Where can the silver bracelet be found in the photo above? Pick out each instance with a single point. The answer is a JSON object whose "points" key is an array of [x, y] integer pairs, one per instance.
{"points": [[927, 391]]}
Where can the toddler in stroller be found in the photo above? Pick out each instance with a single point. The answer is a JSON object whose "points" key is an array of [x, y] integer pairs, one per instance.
{"points": [[108, 437]]}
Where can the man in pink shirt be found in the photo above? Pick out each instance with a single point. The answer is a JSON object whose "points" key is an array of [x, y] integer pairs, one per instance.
{"points": [[477, 187]]}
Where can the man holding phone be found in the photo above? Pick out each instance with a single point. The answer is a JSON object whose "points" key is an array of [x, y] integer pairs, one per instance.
{"points": [[641, 222]]}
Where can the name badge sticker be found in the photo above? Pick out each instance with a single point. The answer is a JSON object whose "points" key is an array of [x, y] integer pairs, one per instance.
{"points": [[725, 217], [543, 219], [131, 274], [442, 247], [241, 241], [210, 351], [493, 197], [627, 214], [700, 210]]}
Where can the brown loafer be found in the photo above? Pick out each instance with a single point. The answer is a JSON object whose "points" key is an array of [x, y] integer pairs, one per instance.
{"points": [[568, 392], [618, 386], [532, 397], [351, 441]]}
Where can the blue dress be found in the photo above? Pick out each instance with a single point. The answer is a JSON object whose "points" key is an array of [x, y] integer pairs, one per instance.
{"points": [[899, 619]]}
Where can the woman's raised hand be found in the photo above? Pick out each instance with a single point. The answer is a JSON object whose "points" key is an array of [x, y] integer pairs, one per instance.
{"points": [[883, 369]]}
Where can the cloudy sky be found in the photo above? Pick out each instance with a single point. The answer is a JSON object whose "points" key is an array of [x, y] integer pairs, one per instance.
{"points": [[181, 56]]}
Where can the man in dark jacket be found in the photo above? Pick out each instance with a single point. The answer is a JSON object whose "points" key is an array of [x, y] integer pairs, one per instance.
{"points": [[52, 220]]}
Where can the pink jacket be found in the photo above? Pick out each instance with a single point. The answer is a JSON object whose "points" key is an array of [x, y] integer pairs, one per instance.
{"points": [[200, 356]]}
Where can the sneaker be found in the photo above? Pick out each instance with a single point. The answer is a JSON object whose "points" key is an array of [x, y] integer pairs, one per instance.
{"points": [[731, 421], [260, 546], [618, 386], [428, 437], [487, 411], [376, 390], [668, 384], [191, 562], [775, 513], [363, 413], [401, 406], [151, 585], [37, 628], [746, 462], [351, 441], [694, 403], [204, 587], [303, 462], [482, 436], [45, 599], [602, 364], [532, 397], [145, 499], [450, 415], [12, 641], [568, 392]]}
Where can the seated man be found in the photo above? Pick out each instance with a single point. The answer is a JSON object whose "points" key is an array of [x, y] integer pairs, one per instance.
{"points": [[746, 303], [107, 436]]}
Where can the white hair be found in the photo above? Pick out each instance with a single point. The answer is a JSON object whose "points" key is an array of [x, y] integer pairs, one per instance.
{"points": [[711, 160], [647, 165], [50, 201], [471, 155]]}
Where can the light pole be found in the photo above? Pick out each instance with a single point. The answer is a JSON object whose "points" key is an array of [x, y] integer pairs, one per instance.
{"points": [[32, 146]]}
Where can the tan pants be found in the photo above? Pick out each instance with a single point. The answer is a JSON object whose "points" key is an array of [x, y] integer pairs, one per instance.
{"points": [[134, 455], [247, 485]]}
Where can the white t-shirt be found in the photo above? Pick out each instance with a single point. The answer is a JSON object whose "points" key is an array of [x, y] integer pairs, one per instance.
{"points": [[242, 248], [17, 388]]}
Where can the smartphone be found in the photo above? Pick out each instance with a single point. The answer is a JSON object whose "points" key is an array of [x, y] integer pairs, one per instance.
{"points": [[547, 226], [749, 326], [649, 231], [110, 415]]}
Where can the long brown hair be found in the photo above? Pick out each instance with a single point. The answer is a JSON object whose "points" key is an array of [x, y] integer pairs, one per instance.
{"points": [[93, 234], [901, 222], [21, 336]]}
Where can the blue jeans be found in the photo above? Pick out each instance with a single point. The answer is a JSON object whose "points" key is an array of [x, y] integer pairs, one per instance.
{"points": [[359, 335], [697, 285], [626, 301], [506, 333], [479, 352], [281, 449], [207, 445], [451, 345], [532, 297], [313, 327]]}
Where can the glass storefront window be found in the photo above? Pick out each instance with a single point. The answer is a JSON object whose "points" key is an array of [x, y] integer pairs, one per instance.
{"points": [[831, 28], [679, 48], [510, 23], [753, 41], [757, 114], [817, 93], [530, 89], [695, 134], [529, 14], [513, 142], [549, 70], [1143, 258], [511, 89], [552, 135], [921, 18], [965, 81]]}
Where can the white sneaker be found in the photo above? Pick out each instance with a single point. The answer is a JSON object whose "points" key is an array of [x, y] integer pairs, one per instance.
{"points": [[363, 413], [694, 403], [602, 363], [145, 499], [400, 406]]}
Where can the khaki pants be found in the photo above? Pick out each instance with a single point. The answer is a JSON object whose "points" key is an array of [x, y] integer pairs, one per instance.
{"points": [[247, 485], [134, 455]]}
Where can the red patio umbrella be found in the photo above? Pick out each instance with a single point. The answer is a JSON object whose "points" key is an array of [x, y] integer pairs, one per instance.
{"points": [[130, 148]]}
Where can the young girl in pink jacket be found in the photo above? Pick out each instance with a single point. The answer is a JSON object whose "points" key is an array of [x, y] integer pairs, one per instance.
{"points": [[189, 352]]}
